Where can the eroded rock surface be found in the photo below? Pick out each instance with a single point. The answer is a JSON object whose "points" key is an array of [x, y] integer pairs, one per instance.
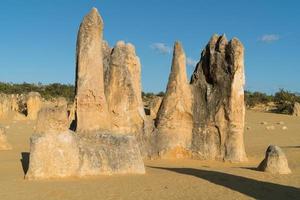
{"points": [[91, 107], [123, 90], [174, 119], [33, 104], [106, 153], [106, 51], [66, 154], [154, 106], [218, 103], [53, 156], [296, 109], [52, 119], [4, 106], [275, 161]]}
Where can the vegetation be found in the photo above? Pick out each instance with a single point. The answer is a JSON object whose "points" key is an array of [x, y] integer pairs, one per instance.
{"points": [[47, 91], [254, 98], [151, 94], [283, 99]]}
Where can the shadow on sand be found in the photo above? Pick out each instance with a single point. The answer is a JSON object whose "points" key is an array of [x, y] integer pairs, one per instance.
{"points": [[250, 187], [290, 147], [25, 161]]}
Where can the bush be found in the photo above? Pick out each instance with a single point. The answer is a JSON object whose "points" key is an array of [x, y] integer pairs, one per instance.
{"points": [[47, 91], [161, 94], [254, 98], [285, 101]]}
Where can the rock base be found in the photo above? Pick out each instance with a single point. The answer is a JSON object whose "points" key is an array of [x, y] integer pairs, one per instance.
{"points": [[105, 153], [66, 154]]}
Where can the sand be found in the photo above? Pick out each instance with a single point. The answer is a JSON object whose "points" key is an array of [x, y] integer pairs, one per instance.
{"points": [[167, 179]]}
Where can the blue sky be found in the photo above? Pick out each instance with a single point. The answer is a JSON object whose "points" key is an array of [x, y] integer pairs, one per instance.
{"points": [[38, 38]]}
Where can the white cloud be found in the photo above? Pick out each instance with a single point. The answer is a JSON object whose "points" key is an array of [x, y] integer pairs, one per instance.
{"points": [[268, 38], [191, 62], [161, 48]]}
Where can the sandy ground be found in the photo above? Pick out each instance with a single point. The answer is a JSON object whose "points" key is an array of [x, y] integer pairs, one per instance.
{"points": [[165, 179]]}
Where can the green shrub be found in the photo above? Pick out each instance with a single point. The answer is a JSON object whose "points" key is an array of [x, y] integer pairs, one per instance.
{"points": [[47, 91], [254, 98], [285, 101]]}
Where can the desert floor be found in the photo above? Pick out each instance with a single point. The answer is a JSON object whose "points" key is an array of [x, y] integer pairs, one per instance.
{"points": [[166, 179]]}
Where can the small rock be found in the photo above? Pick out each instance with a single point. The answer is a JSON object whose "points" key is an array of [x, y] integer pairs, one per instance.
{"points": [[275, 161], [264, 123], [284, 128], [270, 127], [280, 123], [7, 127], [248, 128]]}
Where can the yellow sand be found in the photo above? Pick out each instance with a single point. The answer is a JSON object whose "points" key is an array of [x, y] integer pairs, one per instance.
{"points": [[165, 179]]}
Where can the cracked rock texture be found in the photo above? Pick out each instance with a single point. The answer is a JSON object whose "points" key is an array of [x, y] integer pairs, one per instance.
{"points": [[275, 161], [107, 153], [52, 119], [66, 154], [91, 107], [123, 90], [174, 119], [218, 101], [33, 104]]}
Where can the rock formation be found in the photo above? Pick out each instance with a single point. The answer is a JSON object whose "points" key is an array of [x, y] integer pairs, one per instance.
{"points": [[52, 119], [57, 152], [154, 106], [65, 154], [174, 119], [218, 103], [4, 106], [61, 101], [53, 155], [106, 51], [275, 161], [34, 104], [106, 153], [123, 90], [53, 148], [91, 107], [12, 106], [296, 109], [4, 145], [14, 103]]}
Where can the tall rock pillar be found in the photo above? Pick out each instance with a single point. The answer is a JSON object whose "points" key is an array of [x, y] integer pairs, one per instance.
{"points": [[174, 118], [91, 107], [218, 105], [123, 90]]}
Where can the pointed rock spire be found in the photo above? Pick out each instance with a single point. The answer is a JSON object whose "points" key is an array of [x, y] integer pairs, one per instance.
{"points": [[91, 107], [174, 118]]}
